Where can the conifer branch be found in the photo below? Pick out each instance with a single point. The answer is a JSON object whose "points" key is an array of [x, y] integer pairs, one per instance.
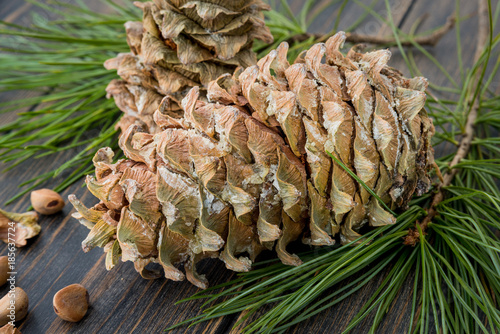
{"points": [[465, 143], [429, 40]]}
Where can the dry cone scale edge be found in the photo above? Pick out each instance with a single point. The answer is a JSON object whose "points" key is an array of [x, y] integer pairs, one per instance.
{"points": [[247, 169], [181, 44]]}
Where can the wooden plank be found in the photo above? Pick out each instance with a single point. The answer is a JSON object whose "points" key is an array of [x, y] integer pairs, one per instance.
{"points": [[123, 302], [325, 21], [445, 52]]}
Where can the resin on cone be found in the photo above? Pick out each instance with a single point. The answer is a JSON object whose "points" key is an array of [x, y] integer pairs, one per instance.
{"points": [[248, 170], [181, 44]]}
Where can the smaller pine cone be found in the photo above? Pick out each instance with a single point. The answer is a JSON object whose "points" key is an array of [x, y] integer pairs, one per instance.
{"points": [[249, 171], [181, 44]]}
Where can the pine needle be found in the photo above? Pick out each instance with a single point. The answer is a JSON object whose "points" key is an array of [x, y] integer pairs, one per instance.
{"points": [[455, 266], [62, 60]]}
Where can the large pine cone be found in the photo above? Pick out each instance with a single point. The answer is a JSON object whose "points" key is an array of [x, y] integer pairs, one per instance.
{"points": [[181, 44], [249, 169]]}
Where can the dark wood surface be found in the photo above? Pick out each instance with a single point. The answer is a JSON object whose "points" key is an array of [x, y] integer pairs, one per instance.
{"points": [[121, 301]]}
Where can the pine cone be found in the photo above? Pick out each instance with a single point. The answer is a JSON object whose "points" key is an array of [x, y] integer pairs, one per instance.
{"points": [[249, 169], [181, 44]]}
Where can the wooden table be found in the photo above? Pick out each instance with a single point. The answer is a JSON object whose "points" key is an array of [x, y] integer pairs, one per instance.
{"points": [[121, 301]]}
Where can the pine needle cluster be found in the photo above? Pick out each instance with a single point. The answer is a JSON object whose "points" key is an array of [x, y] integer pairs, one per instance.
{"points": [[447, 240]]}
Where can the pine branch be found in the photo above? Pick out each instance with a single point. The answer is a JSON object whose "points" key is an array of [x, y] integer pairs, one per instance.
{"points": [[460, 265], [429, 40], [468, 136], [63, 60], [457, 269]]}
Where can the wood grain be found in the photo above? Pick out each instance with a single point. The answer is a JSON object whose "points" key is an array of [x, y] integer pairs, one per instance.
{"points": [[123, 302]]}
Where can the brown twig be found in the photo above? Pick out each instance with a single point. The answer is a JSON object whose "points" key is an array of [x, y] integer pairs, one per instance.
{"points": [[355, 38], [464, 146]]}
